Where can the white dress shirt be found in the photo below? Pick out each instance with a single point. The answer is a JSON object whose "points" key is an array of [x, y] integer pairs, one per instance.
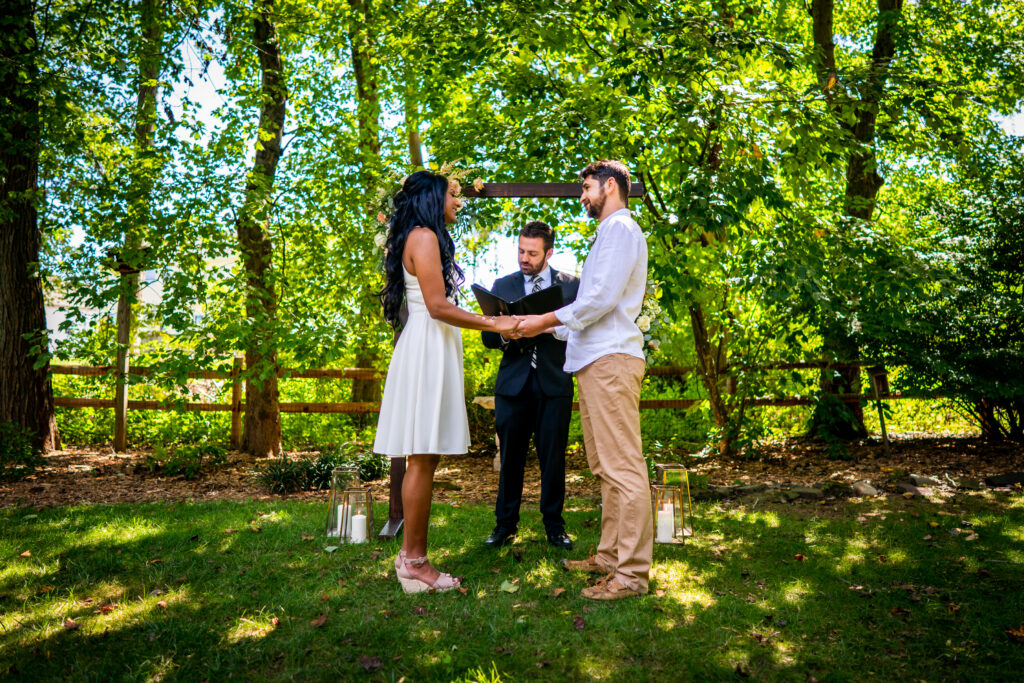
{"points": [[601, 319], [545, 280]]}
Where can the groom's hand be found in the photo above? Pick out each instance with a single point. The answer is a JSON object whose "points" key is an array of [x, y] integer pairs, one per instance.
{"points": [[532, 325]]}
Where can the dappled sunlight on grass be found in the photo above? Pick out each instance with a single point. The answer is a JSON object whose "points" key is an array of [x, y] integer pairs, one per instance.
{"points": [[736, 594]]}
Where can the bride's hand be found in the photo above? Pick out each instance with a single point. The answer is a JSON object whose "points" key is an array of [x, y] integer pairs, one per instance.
{"points": [[506, 326]]}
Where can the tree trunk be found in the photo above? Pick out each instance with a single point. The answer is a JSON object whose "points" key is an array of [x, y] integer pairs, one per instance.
{"points": [[261, 430], [364, 61], [412, 121], [26, 394], [139, 198], [711, 366], [862, 179]]}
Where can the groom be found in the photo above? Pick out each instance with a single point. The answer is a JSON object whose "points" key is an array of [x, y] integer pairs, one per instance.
{"points": [[606, 351], [532, 397]]}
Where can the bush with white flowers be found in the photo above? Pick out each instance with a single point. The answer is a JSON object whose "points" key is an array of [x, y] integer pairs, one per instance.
{"points": [[651, 318]]}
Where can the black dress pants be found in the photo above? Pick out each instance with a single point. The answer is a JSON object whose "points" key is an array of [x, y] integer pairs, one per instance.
{"points": [[545, 419]]}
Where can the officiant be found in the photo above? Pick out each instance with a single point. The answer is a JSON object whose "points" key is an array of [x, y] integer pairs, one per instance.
{"points": [[532, 396]]}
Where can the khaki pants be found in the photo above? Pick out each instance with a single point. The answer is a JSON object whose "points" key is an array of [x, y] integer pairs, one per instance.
{"points": [[609, 390]]}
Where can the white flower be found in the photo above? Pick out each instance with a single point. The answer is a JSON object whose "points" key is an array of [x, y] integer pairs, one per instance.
{"points": [[380, 239], [644, 323], [654, 344], [478, 184]]}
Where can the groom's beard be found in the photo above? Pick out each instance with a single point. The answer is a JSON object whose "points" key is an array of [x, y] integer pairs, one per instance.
{"points": [[595, 208]]}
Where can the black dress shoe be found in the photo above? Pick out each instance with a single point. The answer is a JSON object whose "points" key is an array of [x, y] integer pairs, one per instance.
{"points": [[560, 539], [499, 537]]}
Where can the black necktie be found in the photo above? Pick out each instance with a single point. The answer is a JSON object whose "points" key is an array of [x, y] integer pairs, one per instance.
{"points": [[536, 280]]}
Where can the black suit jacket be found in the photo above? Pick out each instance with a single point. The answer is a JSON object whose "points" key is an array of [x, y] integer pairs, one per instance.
{"points": [[515, 361]]}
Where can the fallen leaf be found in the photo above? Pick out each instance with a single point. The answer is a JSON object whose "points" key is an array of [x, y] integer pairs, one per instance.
{"points": [[462, 590], [578, 623], [375, 554], [231, 531], [1016, 634], [330, 548], [900, 611], [162, 603], [325, 598], [928, 537], [156, 592], [659, 593], [799, 557], [70, 625], [555, 592], [510, 586], [85, 602], [27, 553], [307, 538], [882, 558], [953, 609], [275, 622], [319, 621], [370, 663], [105, 609], [543, 663], [45, 589]]}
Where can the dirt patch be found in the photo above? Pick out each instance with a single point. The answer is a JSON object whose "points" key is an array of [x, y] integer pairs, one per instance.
{"points": [[98, 475]]}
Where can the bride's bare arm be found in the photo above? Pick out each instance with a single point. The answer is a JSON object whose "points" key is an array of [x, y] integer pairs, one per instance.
{"points": [[422, 258]]}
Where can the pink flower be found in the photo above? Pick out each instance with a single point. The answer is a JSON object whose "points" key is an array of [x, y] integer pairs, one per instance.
{"points": [[381, 218]]}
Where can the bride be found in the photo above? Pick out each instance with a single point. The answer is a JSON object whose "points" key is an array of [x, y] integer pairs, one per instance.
{"points": [[423, 409]]}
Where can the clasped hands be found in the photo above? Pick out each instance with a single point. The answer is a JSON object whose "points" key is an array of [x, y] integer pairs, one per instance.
{"points": [[524, 326]]}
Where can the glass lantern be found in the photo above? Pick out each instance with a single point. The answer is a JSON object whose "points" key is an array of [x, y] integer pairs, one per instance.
{"points": [[667, 509], [676, 474], [346, 496]]}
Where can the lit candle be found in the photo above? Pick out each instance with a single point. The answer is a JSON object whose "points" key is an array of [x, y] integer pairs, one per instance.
{"points": [[358, 529], [666, 525]]}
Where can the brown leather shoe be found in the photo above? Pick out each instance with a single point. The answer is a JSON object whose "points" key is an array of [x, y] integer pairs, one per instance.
{"points": [[588, 565], [609, 590]]}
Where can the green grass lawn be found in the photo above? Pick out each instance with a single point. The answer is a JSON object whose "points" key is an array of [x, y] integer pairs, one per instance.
{"points": [[875, 589]]}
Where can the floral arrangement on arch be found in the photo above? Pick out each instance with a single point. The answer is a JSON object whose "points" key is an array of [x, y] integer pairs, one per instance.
{"points": [[651, 317], [384, 196]]}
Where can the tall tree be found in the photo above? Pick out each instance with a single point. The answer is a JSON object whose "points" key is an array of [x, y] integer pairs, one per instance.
{"points": [[261, 431], [145, 167], [364, 40], [26, 395], [856, 107]]}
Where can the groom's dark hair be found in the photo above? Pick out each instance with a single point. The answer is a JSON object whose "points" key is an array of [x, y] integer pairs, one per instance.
{"points": [[539, 229], [609, 168]]}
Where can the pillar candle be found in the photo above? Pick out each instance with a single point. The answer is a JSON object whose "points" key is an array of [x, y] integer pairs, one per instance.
{"points": [[666, 526], [358, 529]]}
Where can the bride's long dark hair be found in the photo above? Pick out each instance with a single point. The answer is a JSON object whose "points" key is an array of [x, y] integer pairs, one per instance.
{"points": [[420, 203]]}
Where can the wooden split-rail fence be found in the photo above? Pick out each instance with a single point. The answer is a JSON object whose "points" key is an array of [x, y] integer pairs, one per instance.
{"points": [[236, 407]]}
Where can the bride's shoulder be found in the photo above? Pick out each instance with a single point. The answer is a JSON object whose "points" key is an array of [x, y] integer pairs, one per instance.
{"points": [[422, 234]]}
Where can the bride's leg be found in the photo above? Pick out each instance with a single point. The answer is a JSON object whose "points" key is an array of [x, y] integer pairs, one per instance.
{"points": [[417, 493]]}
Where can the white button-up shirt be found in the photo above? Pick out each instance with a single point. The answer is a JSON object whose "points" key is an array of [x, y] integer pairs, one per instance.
{"points": [[601, 319]]}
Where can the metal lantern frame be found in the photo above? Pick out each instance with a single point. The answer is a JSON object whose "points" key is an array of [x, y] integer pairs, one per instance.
{"points": [[676, 475], [345, 496]]}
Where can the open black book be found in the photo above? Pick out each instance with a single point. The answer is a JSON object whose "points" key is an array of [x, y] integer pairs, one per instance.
{"points": [[544, 301]]}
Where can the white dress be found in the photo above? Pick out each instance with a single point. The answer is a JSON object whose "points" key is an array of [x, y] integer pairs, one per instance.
{"points": [[423, 410]]}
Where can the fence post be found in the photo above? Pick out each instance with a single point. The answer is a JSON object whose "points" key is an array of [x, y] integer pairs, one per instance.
{"points": [[879, 377], [124, 329], [236, 404]]}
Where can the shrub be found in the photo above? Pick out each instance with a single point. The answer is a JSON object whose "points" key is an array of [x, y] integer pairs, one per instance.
{"points": [[187, 461], [282, 475], [18, 456], [285, 475]]}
